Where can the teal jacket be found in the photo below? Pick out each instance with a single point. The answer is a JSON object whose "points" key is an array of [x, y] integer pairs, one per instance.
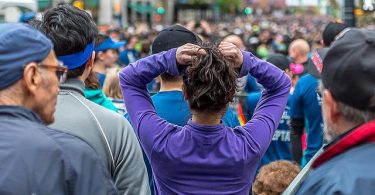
{"points": [[97, 96]]}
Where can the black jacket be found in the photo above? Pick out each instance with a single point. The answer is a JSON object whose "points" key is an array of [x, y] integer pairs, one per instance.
{"points": [[35, 159]]}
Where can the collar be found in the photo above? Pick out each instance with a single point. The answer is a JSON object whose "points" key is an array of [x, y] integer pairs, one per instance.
{"points": [[205, 128], [363, 134], [73, 85], [19, 112]]}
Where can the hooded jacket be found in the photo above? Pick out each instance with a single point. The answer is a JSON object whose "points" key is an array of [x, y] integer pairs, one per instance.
{"points": [[97, 96]]}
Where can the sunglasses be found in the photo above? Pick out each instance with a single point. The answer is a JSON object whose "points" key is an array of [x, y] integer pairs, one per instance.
{"points": [[61, 70]]}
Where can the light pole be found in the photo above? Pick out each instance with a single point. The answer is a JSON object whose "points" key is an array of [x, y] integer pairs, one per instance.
{"points": [[124, 13], [105, 15], [349, 17], [170, 12]]}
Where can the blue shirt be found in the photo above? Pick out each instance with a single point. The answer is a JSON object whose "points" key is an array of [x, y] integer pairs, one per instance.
{"points": [[306, 104], [101, 78], [279, 148], [251, 84], [171, 106]]}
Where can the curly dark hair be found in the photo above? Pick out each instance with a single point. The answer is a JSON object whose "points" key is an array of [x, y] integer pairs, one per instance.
{"points": [[210, 82], [275, 177]]}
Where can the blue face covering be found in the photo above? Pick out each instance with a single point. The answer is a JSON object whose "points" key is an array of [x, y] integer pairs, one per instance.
{"points": [[78, 59]]}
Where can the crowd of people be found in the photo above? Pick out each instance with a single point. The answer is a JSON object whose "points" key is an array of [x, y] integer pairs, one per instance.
{"points": [[190, 108]]}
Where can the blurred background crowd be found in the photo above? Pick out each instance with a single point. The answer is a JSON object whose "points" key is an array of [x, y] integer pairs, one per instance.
{"points": [[284, 32]]}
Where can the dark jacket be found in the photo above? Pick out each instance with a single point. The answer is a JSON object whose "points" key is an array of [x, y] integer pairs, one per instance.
{"points": [[35, 159], [346, 166], [109, 133]]}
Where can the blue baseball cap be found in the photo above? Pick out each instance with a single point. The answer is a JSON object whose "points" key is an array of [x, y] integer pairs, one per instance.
{"points": [[20, 44], [109, 43], [26, 17]]}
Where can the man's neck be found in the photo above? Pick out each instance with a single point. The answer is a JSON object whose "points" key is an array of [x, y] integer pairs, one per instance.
{"points": [[344, 126], [12, 97]]}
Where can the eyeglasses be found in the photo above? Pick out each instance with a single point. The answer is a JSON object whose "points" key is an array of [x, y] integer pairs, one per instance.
{"points": [[61, 70]]}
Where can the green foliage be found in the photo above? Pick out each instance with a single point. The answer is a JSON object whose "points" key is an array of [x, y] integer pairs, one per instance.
{"points": [[229, 6], [44, 4]]}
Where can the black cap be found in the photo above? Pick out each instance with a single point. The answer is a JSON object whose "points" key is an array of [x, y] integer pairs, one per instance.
{"points": [[279, 60], [331, 31], [315, 63], [172, 37], [349, 69]]}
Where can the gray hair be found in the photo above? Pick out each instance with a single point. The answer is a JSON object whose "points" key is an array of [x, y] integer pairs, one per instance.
{"points": [[355, 115], [352, 114]]}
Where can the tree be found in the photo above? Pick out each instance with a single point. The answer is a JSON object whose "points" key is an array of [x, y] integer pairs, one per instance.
{"points": [[229, 6]]}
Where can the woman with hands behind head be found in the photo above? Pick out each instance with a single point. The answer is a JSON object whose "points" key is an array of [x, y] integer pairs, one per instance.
{"points": [[204, 156]]}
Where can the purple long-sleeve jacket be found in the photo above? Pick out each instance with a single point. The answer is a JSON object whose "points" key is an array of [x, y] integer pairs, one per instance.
{"points": [[203, 159]]}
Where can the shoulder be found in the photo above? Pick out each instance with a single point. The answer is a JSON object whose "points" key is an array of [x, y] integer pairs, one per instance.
{"points": [[25, 133], [69, 141], [343, 174], [100, 111], [86, 112], [306, 85], [306, 79]]}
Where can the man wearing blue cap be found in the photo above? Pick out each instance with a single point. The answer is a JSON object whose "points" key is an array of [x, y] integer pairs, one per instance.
{"points": [[35, 159], [73, 33]]}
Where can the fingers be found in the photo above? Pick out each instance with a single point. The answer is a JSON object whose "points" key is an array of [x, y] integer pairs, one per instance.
{"points": [[227, 45], [191, 49], [185, 60], [229, 50], [185, 53], [229, 53]]}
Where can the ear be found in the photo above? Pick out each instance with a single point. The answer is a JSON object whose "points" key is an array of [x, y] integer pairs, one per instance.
{"points": [[31, 77], [88, 68], [332, 108], [90, 62], [322, 43], [100, 55]]}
